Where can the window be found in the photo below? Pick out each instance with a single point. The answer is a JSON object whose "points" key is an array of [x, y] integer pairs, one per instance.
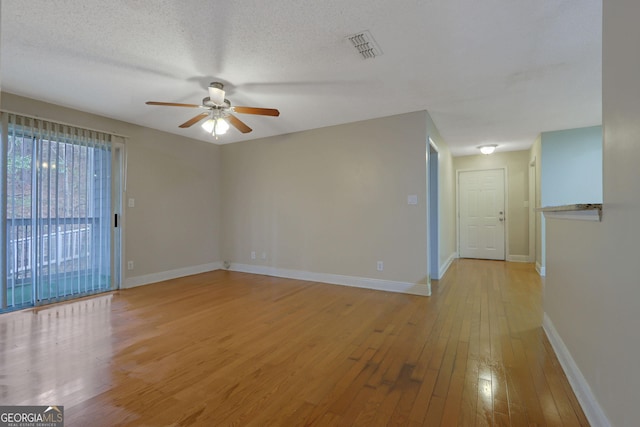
{"points": [[58, 211]]}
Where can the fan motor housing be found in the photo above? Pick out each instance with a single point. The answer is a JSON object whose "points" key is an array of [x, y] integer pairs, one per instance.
{"points": [[208, 103]]}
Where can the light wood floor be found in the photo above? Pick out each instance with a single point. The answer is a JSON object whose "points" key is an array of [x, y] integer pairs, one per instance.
{"points": [[227, 348]]}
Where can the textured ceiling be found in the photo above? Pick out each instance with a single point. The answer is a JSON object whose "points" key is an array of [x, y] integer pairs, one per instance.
{"points": [[493, 71]]}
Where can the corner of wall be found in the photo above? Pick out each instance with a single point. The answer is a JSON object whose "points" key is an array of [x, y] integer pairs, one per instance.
{"points": [[445, 266], [147, 279]]}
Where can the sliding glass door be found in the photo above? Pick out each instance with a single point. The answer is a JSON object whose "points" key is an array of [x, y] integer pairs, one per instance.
{"points": [[58, 212]]}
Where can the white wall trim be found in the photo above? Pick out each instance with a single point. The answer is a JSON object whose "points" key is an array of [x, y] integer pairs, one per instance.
{"points": [[423, 289], [444, 267], [433, 209], [132, 282], [540, 269], [590, 405], [518, 258]]}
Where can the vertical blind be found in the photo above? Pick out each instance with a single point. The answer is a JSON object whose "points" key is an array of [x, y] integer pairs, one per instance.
{"points": [[58, 211]]}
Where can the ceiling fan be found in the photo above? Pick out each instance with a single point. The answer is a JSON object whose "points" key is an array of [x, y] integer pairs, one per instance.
{"points": [[220, 112]]}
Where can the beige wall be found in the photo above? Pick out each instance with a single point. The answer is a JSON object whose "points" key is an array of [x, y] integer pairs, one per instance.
{"points": [[175, 223], [592, 293], [331, 200], [517, 215], [447, 197]]}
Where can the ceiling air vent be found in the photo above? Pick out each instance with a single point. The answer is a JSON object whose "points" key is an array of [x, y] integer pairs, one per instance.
{"points": [[366, 45]]}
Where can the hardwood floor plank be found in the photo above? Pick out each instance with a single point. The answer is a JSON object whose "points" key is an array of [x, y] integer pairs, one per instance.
{"points": [[469, 399], [559, 384], [453, 401], [227, 348], [423, 399], [409, 391], [435, 411], [524, 383]]}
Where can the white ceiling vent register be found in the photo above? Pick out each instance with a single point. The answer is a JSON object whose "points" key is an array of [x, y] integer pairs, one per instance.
{"points": [[366, 45]]}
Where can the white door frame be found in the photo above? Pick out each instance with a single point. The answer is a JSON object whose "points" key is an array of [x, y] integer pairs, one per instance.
{"points": [[3, 213], [433, 206], [506, 207], [118, 166], [532, 212]]}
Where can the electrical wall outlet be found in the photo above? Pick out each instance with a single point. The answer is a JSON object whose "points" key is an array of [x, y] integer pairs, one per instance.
{"points": [[380, 266], [130, 265], [253, 254]]}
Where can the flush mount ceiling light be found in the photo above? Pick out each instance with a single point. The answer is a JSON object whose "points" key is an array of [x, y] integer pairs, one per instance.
{"points": [[488, 149]]}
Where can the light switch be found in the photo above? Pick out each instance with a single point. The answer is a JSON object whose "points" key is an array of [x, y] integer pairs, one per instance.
{"points": [[412, 199]]}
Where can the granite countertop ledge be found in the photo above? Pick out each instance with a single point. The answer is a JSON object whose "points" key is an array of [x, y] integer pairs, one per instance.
{"points": [[579, 211]]}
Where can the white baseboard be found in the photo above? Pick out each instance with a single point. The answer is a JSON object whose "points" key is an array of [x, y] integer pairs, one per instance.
{"points": [[518, 258], [132, 282], [590, 405], [540, 269], [423, 289], [444, 267]]}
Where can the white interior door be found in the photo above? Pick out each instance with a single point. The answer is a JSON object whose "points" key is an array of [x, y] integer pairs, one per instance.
{"points": [[481, 209]]}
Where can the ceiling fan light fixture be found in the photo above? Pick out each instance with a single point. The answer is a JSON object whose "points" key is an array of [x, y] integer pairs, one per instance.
{"points": [[488, 149], [216, 93], [216, 127], [221, 126], [218, 118]]}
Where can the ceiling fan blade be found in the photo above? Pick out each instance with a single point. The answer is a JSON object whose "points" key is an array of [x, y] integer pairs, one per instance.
{"points": [[259, 111], [194, 120], [172, 104], [238, 124]]}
